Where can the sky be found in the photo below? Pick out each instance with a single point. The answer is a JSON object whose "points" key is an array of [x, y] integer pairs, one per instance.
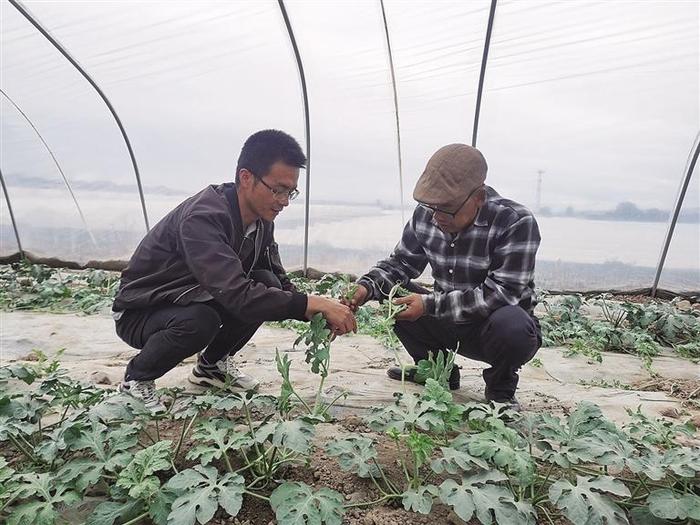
{"points": [[601, 97]]}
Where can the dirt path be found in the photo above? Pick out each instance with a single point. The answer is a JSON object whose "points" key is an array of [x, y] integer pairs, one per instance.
{"points": [[94, 353]]}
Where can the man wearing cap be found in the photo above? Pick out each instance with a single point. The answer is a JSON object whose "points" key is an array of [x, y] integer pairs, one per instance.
{"points": [[481, 250]]}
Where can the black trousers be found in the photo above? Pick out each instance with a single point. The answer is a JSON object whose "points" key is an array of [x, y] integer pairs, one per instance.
{"points": [[168, 334], [506, 340]]}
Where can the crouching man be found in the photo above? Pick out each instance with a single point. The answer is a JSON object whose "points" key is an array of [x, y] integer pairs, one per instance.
{"points": [[209, 274], [481, 249]]}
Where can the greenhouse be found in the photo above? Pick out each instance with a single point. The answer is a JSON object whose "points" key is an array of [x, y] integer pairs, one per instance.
{"points": [[586, 115]]}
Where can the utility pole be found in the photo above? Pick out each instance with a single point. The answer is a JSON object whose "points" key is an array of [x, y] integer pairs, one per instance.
{"points": [[538, 197]]}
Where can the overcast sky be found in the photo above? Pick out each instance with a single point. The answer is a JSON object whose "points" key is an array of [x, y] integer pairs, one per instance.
{"points": [[600, 96]]}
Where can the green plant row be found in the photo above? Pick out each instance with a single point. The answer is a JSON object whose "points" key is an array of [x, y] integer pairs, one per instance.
{"points": [[63, 442], [625, 327], [26, 286]]}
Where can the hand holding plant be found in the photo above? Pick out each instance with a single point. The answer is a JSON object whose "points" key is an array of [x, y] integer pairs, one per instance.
{"points": [[415, 309]]}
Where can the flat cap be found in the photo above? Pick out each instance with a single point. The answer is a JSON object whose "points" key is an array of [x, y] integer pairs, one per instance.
{"points": [[452, 173]]}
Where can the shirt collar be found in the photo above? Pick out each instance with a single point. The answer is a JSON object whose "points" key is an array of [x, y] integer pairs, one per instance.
{"points": [[251, 228], [481, 217]]}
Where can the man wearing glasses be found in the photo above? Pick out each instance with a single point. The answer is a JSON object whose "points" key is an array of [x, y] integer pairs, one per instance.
{"points": [[481, 250], [209, 274]]}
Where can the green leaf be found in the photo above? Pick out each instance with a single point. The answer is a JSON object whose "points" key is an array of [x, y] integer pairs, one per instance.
{"points": [[33, 513], [295, 435], [666, 504], [421, 446], [118, 407], [584, 505], [109, 446], [477, 494], [138, 476], [355, 454], [511, 511], [6, 472], [682, 461], [407, 413], [161, 505], [456, 461], [643, 516], [318, 346], [657, 431], [215, 438], [297, 504], [286, 390], [109, 512], [202, 492], [419, 500], [506, 450], [46, 496], [82, 472]]}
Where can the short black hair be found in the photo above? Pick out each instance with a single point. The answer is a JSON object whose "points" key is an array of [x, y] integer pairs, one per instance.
{"points": [[262, 149]]}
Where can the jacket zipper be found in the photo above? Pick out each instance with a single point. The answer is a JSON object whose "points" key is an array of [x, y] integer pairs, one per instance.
{"points": [[184, 293]]}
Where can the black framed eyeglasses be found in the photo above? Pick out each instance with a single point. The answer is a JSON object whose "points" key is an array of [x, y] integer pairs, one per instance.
{"points": [[280, 194], [452, 214]]}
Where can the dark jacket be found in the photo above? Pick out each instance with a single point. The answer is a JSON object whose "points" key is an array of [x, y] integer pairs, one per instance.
{"points": [[194, 254]]}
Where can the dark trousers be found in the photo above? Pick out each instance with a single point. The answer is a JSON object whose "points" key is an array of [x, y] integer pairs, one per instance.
{"points": [[506, 340], [168, 334]]}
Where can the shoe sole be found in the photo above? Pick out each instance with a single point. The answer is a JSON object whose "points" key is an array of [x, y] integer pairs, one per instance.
{"points": [[208, 382]]}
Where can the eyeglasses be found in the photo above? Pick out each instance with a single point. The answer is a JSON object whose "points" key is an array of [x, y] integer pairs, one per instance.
{"points": [[280, 194], [452, 214]]}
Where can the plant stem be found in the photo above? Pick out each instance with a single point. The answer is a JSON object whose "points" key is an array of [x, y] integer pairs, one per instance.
{"points": [[388, 483], [546, 514], [546, 478], [228, 462], [63, 416], [369, 503], [21, 448], [249, 420], [185, 430], [7, 503], [149, 436], [255, 495], [327, 408], [136, 519], [306, 406], [317, 403], [271, 462]]}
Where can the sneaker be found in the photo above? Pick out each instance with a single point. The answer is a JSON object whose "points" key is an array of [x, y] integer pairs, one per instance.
{"points": [[223, 374], [146, 392], [410, 375]]}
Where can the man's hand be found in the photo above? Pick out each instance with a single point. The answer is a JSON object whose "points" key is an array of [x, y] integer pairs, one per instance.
{"points": [[358, 299], [339, 316], [414, 307]]}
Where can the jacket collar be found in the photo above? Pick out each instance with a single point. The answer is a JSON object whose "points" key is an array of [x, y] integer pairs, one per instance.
{"points": [[231, 193]]}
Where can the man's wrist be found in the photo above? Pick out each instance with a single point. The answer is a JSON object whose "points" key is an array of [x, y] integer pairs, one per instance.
{"points": [[367, 285]]}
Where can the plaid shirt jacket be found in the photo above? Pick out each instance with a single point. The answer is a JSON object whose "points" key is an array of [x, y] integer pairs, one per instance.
{"points": [[476, 271]]}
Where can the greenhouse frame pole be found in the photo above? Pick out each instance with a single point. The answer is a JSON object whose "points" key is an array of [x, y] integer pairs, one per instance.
{"points": [[692, 161], [55, 161], [396, 107], [12, 215], [87, 77], [307, 127], [482, 74]]}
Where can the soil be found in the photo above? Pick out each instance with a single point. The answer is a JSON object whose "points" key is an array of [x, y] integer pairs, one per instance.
{"points": [[323, 471], [95, 354]]}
